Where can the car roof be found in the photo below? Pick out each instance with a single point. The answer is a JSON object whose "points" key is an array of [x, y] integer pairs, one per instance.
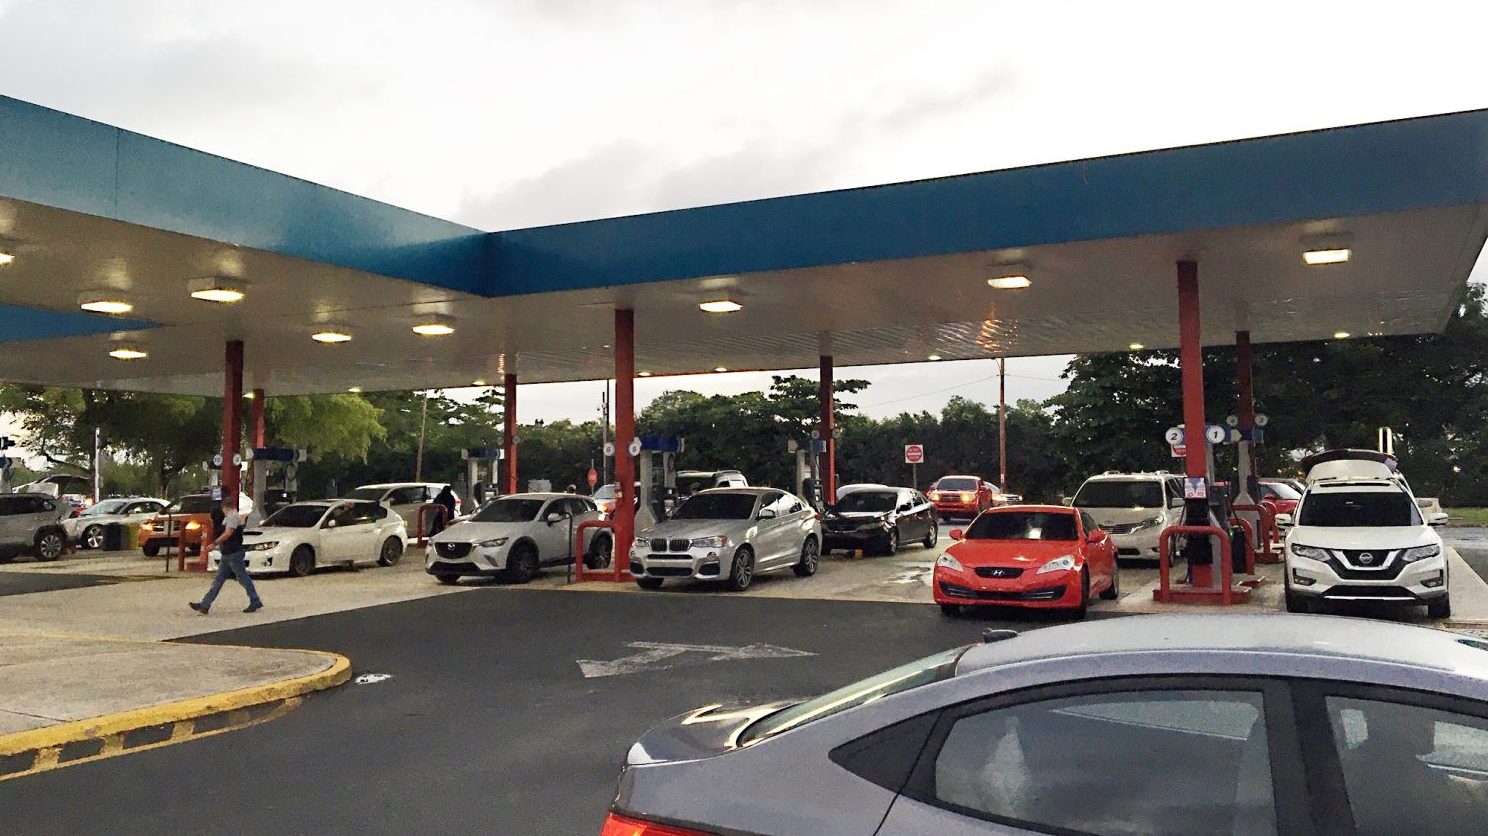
{"points": [[1358, 485], [385, 485], [960, 476], [750, 489], [1004, 509], [1145, 477], [869, 486], [542, 495], [1332, 637]]}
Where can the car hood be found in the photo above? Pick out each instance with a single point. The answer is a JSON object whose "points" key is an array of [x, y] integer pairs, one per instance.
{"points": [[691, 529], [708, 731], [475, 532], [1381, 537], [277, 532], [1019, 553], [861, 515], [1121, 516]]}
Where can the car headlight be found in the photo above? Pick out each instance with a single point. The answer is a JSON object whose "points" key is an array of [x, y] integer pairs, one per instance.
{"points": [[261, 547], [1058, 564], [193, 526], [717, 542], [1419, 553], [493, 544], [949, 562], [1310, 552]]}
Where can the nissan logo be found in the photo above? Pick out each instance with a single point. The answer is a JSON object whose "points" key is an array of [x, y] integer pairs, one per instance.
{"points": [[1367, 559]]}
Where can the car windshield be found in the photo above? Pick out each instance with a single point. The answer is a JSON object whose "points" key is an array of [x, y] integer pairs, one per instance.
{"points": [[1351, 509], [687, 485], [509, 511], [108, 506], [367, 494], [900, 679], [1024, 525], [296, 516], [606, 493], [1280, 490], [193, 505], [873, 501], [717, 506], [957, 485], [1120, 493]]}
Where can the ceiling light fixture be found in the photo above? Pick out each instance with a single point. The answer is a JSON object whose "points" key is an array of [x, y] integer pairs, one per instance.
{"points": [[355, 390], [105, 303], [720, 306], [478, 383], [331, 336], [1336, 255], [1136, 346], [721, 369], [643, 374], [1340, 335], [6, 258], [434, 326], [933, 357], [223, 291], [1009, 282], [128, 352]]}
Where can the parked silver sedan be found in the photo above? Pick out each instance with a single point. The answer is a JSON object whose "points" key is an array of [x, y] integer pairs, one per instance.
{"points": [[1277, 723], [730, 535]]}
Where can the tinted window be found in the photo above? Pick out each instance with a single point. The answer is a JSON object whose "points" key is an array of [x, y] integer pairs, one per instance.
{"points": [[509, 510], [1120, 493], [717, 506], [876, 502], [1346, 509], [369, 494], [9, 505], [1409, 769], [410, 496], [1084, 764], [579, 506], [1024, 525], [297, 516], [343, 516], [194, 505], [366, 512], [1088, 521], [931, 669], [957, 485]]}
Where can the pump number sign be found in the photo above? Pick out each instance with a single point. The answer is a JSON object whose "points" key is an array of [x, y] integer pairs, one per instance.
{"points": [[914, 453]]}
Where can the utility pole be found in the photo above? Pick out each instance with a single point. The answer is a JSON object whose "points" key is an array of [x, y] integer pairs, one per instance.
{"points": [[604, 433], [1002, 423], [418, 459], [97, 468]]}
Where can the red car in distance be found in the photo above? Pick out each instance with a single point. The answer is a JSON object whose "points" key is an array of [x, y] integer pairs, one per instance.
{"points": [[964, 496], [1280, 495], [1036, 556]]}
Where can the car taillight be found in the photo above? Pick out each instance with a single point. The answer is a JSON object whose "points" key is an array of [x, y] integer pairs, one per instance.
{"points": [[618, 825]]}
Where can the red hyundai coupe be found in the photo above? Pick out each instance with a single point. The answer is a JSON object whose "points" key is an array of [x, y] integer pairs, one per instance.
{"points": [[1037, 556]]}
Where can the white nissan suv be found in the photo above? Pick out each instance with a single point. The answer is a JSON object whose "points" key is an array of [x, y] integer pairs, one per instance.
{"points": [[1360, 539]]}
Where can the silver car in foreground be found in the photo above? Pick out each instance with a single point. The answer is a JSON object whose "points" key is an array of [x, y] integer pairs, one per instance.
{"points": [[1264, 724], [729, 535]]}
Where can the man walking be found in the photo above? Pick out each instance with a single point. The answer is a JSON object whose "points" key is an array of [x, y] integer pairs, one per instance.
{"points": [[233, 563]]}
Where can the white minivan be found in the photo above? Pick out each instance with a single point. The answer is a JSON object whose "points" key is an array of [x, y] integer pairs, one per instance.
{"points": [[1133, 508]]}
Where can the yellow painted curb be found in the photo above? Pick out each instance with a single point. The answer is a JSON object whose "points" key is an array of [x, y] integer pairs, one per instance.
{"points": [[337, 672]]}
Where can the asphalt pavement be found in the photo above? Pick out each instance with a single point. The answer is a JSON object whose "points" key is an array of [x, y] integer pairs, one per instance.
{"points": [[17, 583], [487, 722]]}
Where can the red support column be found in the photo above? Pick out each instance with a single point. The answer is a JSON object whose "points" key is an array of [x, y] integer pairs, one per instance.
{"points": [[1191, 361], [827, 426], [232, 420], [509, 441], [624, 431], [255, 432]]}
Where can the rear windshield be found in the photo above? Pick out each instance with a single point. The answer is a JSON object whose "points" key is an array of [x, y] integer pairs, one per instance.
{"points": [[1024, 525], [957, 485], [193, 505], [509, 510], [1120, 493], [900, 679], [606, 493], [873, 501], [717, 506], [296, 516], [1344, 509], [367, 494]]}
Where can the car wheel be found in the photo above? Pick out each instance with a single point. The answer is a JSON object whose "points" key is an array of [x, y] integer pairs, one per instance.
{"points": [[601, 552], [649, 583], [890, 543], [741, 574], [522, 566], [93, 537], [806, 566], [392, 552], [932, 537], [302, 562], [1084, 607], [950, 610], [446, 578], [151, 550], [50, 545], [1440, 608], [1113, 592], [1296, 603]]}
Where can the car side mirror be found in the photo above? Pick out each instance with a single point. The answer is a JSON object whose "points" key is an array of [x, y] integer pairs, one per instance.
{"points": [[1438, 519], [1423, 504], [1068, 502], [766, 514], [1175, 502], [957, 534], [1283, 520], [555, 517], [330, 524]]}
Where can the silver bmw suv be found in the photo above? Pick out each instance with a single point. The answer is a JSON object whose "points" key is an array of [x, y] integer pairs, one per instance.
{"points": [[730, 535], [31, 523]]}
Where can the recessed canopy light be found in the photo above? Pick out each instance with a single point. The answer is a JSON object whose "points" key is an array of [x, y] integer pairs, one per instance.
{"points": [[1337, 255], [105, 305], [1340, 335], [331, 336], [217, 289], [1010, 282], [933, 357], [355, 390], [434, 326], [128, 352], [643, 374], [478, 383], [6, 258], [248, 395], [721, 369], [1136, 346], [721, 306]]}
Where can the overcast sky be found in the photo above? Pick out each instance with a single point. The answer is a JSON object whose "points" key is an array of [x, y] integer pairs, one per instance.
{"points": [[510, 113]]}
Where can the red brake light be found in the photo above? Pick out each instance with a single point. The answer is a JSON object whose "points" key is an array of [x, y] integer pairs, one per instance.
{"points": [[618, 825]]}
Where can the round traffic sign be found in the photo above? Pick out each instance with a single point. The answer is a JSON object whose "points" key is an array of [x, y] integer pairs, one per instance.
{"points": [[634, 447], [609, 448], [914, 453]]}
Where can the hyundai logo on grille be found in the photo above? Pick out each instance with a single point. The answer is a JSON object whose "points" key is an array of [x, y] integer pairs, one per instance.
{"points": [[1366, 559]]}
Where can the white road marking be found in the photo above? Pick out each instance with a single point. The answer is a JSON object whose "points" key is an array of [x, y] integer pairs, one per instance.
{"points": [[661, 655], [372, 678]]}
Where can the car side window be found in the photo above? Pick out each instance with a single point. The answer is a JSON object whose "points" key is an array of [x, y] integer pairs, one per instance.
{"points": [[9, 505], [1434, 762], [774, 502], [343, 516], [582, 506], [409, 496], [36, 505], [1089, 522], [1033, 765], [366, 512]]}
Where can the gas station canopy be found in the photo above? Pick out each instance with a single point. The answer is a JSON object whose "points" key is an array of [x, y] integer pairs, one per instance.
{"points": [[1084, 251]]}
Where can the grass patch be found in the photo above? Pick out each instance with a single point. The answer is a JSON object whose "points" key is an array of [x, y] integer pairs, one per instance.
{"points": [[1468, 516]]}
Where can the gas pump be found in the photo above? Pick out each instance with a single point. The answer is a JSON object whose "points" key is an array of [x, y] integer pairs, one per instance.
{"points": [[270, 493], [656, 470], [6, 462], [475, 459], [808, 477]]}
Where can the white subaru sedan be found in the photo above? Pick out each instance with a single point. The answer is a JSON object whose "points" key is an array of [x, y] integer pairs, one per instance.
{"points": [[297, 538]]}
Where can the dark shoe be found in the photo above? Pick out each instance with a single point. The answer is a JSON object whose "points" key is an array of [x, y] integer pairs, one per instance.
{"points": [[254, 607], [196, 605]]}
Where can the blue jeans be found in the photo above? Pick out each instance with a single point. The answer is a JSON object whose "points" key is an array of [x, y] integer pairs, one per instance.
{"points": [[231, 566]]}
